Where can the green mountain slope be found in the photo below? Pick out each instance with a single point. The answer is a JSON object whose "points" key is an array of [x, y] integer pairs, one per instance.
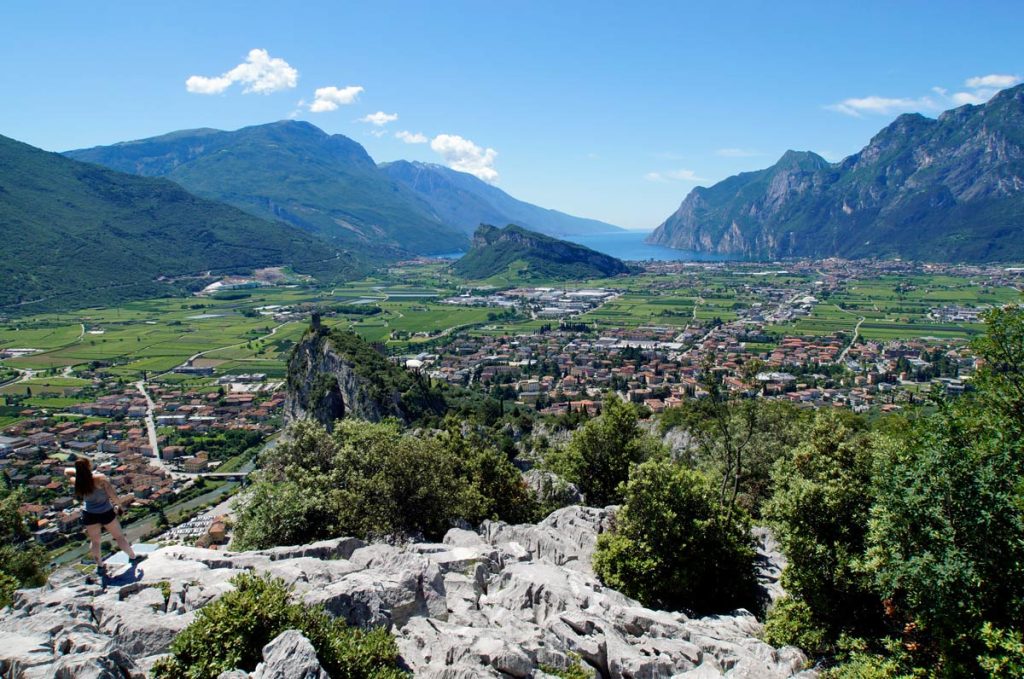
{"points": [[946, 189], [295, 172], [534, 255], [460, 199], [76, 234]]}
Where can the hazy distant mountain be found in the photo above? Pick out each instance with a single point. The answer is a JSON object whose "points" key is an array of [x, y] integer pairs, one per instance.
{"points": [[295, 172], [76, 234], [950, 189], [532, 255], [462, 200]]}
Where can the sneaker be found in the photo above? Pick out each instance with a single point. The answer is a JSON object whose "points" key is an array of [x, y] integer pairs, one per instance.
{"points": [[101, 570], [137, 558]]}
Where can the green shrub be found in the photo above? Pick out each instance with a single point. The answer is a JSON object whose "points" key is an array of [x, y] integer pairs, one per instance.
{"points": [[576, 669], [372, 479], [1004, 652], [791, 622], [820, 511], [22, 560], [674, 547], [231, 633], [599, 456]]}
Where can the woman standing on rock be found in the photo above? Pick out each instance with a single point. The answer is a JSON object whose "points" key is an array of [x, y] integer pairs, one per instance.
{"points": [[101, 509]]}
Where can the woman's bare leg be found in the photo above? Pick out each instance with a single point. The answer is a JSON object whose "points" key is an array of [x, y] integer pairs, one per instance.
{"points": [[114, 528], [93, 531]]}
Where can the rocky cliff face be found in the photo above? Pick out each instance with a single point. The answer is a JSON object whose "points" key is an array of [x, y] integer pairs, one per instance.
{"points": [[949, 189], [327, 381], [500, 602]]}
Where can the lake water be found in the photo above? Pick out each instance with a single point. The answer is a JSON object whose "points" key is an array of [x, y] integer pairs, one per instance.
{"points": [[629, 245]]}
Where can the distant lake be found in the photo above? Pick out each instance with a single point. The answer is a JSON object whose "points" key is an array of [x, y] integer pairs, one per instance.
{"points": [[630, 245]]}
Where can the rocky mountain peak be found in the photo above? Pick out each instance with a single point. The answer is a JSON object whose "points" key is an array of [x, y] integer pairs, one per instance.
{"points": [[946, 189]]}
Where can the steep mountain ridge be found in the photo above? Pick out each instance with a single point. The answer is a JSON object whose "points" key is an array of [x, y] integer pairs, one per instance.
{"points": [[77, 234], [464, 201], [945, 189], [295, 172], [494, 250]]}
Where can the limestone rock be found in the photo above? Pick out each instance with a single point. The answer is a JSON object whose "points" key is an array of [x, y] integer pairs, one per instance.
{"points": [[499, 602], [289, 656], [549, 487]]}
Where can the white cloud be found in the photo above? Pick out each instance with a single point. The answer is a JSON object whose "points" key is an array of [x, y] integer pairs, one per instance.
{"points": [[857, 107], [259, 73], [378, 133], [380, 119], [993, 80], [465, 156], [330, 98], [979, 89], [983, 87], [976, 97], [411, 137], [674, 175], [736, 153]]}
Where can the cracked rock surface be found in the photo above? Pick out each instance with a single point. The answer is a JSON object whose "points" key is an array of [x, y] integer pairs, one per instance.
{"points": [[501, 602]]}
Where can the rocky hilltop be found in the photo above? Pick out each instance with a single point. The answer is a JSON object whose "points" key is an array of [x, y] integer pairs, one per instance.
{"points": [[334, 374], [946, 189], [533, 255], [500, 602]]}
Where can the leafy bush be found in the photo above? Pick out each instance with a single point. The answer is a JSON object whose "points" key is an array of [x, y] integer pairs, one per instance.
{"points": [[576, 669], [22, 560], [820, 512], [371, 479], [1004, 652], [599, 456], [231, 633], [791, 622], [675, 547]]}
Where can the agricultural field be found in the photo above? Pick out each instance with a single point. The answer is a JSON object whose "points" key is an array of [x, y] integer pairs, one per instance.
{"points": [[898, 307], [236, 331]]}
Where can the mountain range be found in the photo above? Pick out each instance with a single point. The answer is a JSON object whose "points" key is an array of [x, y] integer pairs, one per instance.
{"points": [[76, 234], [466, 202], [329, 185], [945, 189], [293, 172], [528, 255]]}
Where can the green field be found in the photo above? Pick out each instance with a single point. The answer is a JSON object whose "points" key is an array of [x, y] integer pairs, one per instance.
{"points": [[236, 333]]}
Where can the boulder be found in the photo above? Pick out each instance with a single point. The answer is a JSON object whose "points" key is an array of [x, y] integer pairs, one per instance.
{"points": [[289, 656]]}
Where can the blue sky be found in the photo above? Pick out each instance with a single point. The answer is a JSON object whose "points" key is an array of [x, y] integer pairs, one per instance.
{"points": [[594, 108]]}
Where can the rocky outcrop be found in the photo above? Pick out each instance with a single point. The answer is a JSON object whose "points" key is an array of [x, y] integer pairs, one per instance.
{"points": [[335, 375], [501, 602], [548, 487], [946, 189]]}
